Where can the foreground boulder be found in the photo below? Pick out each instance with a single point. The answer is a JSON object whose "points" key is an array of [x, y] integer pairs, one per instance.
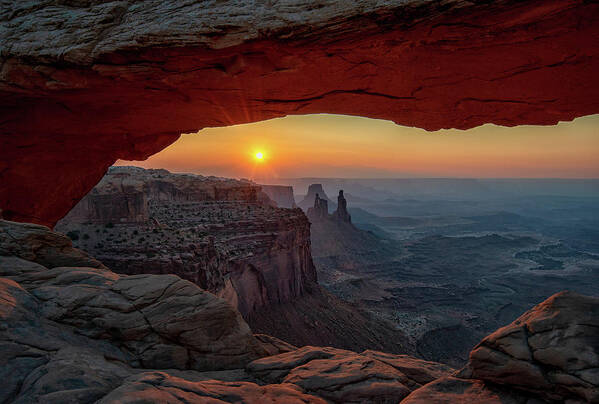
{"points": [[97, 325], [347, 377], [549, 354], [551, 351]]}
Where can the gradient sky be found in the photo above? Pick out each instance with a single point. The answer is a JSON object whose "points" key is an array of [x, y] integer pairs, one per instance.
{"points": [[354, 147]]}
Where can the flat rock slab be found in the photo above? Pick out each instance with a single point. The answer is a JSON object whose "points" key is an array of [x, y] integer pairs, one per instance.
{"points": [[347, 377]]}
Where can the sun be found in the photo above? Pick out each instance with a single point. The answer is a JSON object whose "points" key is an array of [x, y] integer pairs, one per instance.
{"points": [[259, 156]]}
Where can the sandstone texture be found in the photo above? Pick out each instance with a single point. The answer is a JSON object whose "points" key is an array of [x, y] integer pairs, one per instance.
{"points": [[549, 354], [452, 390], [347, 377], [85, 83], [225, 237], [218, 233], [160, 321], [158, 387], [551, 350], [85, 334]]}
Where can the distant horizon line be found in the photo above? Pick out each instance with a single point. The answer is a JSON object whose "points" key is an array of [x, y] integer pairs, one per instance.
{"points": [[431, 178], [370, 178]]}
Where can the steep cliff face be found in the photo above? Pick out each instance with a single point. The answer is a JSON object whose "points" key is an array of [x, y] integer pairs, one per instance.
{"points": [[85, 83], [282, 195], [225, 237], [215, 232]]}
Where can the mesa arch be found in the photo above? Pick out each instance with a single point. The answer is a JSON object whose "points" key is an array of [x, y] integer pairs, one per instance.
{"points": [[83, 84]]}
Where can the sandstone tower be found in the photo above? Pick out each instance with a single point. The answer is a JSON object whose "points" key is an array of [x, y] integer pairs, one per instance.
{"points": [[341, 213]]}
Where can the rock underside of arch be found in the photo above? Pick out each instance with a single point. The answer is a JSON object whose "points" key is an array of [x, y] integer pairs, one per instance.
{"points": [[82, 85]]}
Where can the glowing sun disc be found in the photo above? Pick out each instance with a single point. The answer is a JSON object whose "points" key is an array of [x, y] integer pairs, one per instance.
{"points": [[259, 156]]}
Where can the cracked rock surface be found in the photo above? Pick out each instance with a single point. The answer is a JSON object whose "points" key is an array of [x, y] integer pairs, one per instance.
{"points": [[85, 334], [347, 377], [552, 350], [84, 83]]}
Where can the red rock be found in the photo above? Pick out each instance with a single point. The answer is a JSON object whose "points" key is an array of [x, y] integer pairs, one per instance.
{"points": [[124, 81]]}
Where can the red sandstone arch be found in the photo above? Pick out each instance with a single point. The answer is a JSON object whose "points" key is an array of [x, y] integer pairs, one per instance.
{"points": [[82, 86]]}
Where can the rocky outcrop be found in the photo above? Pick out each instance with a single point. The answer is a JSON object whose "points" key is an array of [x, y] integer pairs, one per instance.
{"points": [[41, 245], [85, 334], [347, 377], [310, 199], [160, 321], [550, 353], [452, 390], [282, 195], [430, 64], [216, 232], [255, 256], [320, 210], [341, 213], [158, 387]]}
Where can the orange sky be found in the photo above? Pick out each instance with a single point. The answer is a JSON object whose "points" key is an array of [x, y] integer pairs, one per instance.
{"points": [[345, 146]]}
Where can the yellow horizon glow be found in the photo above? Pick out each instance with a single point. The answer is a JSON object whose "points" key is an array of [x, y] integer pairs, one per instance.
{"points": [[341, 146]]}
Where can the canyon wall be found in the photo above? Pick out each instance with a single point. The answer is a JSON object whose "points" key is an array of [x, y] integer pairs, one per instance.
{"points": [[227, 237], [282, 195], [83, 84], [215, 232]]}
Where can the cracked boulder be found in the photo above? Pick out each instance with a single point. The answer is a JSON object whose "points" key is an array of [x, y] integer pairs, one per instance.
{"points": [[552, 350], [156, 321]]}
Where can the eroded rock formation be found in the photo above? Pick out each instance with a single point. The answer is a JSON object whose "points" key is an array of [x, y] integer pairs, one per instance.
{"points": [[310, 199], [86, 334], [85, 83], [341, 214], [215, 232], [320, 210], [221, 235]]}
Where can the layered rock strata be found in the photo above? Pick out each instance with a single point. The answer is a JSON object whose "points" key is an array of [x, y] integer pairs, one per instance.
{"points": [[216, 232], [222, 235]]}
